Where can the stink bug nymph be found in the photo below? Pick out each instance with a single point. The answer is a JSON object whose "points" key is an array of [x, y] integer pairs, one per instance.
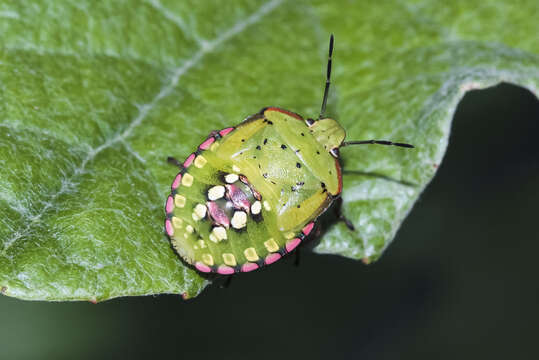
{"points": [[251, 193]]}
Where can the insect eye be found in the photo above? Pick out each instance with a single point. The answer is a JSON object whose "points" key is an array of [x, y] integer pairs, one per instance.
{"points": [[334, 152], [309, 122]]}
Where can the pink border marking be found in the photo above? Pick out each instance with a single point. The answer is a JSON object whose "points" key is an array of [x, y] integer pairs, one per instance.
{"points": [[168, 226], [176, 182], [225, 131], [293, 244], [170, 204], [249, 267], [307, 229], [202, 267], [206, 144], [271, 258], [225, 270], [189, 161]]}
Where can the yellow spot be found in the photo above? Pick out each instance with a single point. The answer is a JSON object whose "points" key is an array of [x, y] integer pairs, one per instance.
{"points": [[271, 245], [189, 229], [214, 146], [213, 238], [202, 244], [200, 161], [199, 212], [231, 178], [239, 220], [256, 207], [179, 201], [290, 235], [267, 206], [216, 192], [185, 236], [177, 222], [235, 168], [229, 259], [219, 232], [187, 179], [250, 254], [208, 259]]}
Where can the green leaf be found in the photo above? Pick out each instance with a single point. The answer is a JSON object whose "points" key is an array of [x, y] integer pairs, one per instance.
{"points": [[95, 96]]}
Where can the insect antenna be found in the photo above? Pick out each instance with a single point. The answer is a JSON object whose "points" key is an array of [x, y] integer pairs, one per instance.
{"points": [[328, 78], [378, 142]]}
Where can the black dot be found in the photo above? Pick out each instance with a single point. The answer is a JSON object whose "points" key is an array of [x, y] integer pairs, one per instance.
{"points": [[283, 146], [254, 157], [258, 147], [265, 175], [318, 152], [297, 151], [265, 141], [323, 185], [242, 140], [302, 134], [298, 165], [299, 206]]}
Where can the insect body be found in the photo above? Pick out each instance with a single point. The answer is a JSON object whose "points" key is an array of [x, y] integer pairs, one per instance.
{"points": [[251, 193]]}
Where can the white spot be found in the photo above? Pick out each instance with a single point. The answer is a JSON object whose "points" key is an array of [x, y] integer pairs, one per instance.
{"points": [[199, 212], [239, 220], [208, 259], [267, 206], [187, 179], [235, 168], [271, 245], [200, 161], [179, 200], [213, 238], [250, 254], [229, 259], [231, 178], [220, 233], [189, 229], [202, 244], [256, 207], [177, 222], [216, 192]]}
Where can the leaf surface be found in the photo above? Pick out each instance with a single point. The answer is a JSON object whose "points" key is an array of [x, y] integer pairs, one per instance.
{"points": [[95, 96]]}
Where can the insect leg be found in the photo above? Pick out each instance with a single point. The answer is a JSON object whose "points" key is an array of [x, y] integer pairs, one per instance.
{"points": [[173, 161], [298, 257], [227, 282], [341, 217]]}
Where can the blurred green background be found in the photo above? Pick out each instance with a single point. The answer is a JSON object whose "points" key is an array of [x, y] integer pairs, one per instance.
{"points": [[459, 281]]}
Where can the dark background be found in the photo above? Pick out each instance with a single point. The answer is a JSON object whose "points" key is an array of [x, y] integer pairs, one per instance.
{"points": [[458, 282]]}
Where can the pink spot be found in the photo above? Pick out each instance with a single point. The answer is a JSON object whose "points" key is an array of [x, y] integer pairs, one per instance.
{"points": [[225, 131], [176, 182], [189, 161], [206, 144], [238, 198], [168, 227], [170, 204], [307, 229], [185, 296], [271, 258], [202, 267], [292, 244], [225, 270], [217, 214], [249, 267]]}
